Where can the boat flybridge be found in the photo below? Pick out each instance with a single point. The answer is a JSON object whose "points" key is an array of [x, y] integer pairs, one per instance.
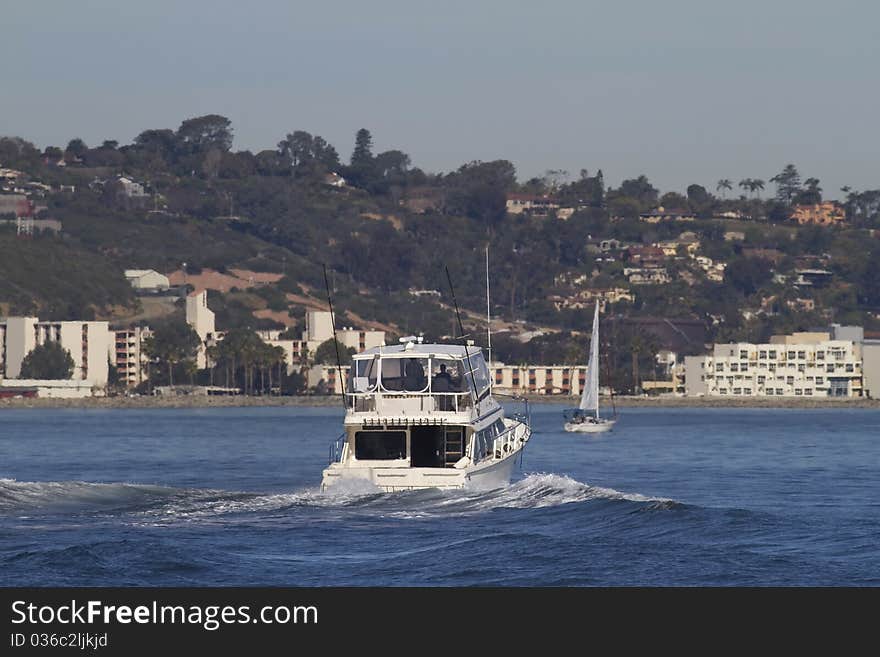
{"points": [[424, 416]]}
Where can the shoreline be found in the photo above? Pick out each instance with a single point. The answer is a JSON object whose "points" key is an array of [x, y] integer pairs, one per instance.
{"points": [[185, 401]]}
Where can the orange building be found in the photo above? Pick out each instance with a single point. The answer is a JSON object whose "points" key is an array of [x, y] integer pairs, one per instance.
{"points": [[827, 213]]}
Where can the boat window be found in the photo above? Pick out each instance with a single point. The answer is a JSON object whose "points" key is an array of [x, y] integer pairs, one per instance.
{"points": [[446, 375], [481, 374], [415, 378], [379, 445], [362, 376]]}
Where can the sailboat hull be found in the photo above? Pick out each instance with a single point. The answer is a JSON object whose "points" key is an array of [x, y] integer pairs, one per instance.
{"points": [[590, 427]]}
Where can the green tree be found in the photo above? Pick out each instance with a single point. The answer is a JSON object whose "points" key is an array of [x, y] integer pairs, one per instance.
{"points": [[173, 342], [53, 153], [724, 185], [326, 353], [76, 148], [748, 274], [203, 133], [47, 361], [788, 183], [640, 189], [811, 194], [362, 156]]}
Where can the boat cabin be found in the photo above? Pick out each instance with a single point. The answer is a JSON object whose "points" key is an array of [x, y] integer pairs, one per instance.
{"points": [[420, 406]]}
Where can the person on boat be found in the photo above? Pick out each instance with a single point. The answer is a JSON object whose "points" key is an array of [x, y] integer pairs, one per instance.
{"points": [[415, 375], [442, 380]]}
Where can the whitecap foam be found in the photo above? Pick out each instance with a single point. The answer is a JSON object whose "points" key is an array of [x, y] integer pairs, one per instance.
{"points": [[162, 504]]}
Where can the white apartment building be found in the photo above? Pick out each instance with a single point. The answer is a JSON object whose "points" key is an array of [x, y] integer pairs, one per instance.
{"points": [[90, 345], [800, 365], [319, 329], [130, 359], [201, 318]]}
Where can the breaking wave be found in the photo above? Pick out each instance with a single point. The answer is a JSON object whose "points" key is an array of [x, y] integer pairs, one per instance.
{"points": [[164, 503]]}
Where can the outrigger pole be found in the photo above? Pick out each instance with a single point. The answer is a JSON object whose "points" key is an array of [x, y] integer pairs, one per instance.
{"points": [[335, 341], [461, 330]]}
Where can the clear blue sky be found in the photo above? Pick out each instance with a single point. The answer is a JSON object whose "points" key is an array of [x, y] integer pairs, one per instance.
{"points": [[682, 90]]}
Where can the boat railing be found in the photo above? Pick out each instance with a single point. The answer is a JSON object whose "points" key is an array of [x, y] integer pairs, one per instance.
{"points": [[509, 440], [337, 449], [379, 402]]}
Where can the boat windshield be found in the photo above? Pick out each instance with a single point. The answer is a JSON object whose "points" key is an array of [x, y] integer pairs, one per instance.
{"points": [[362, 376], [408, 374], [447, 375], [419, 374]]}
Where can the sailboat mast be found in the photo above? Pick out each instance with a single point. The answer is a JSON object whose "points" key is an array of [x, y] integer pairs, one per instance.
{"points": [[594, 356]]}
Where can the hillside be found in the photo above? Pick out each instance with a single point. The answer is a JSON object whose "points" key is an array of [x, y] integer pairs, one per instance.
{"points": [[257, 227]]}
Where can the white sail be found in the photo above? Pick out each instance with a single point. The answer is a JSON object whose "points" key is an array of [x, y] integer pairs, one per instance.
{"points": [[590, 396]]}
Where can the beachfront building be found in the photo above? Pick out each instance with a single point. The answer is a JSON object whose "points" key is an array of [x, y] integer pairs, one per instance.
{"points": [[871, 366], [812, 364], [201, 318], [90, 345], [319, 329], [130, 359]]}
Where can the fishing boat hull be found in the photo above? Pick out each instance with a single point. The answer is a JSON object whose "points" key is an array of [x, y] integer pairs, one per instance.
{"points": [[590, 427]]}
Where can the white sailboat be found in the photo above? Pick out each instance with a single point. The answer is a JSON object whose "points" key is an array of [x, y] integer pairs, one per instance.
{"points": [[585, 418]]}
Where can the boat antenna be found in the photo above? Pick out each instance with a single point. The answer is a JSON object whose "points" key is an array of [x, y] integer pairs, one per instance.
{"points": [[488, 313], [467, 354], [335, 341]]}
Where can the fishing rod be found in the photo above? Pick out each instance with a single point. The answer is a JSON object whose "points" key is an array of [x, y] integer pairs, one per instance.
{"points": [[335, 341], [461, 330]]}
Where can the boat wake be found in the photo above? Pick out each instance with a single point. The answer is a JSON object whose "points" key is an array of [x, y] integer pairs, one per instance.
{"points": [[159, 504]]}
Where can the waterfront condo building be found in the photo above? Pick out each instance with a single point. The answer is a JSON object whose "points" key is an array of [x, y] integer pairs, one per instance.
{"points": [[798, 365], [89, 344]]}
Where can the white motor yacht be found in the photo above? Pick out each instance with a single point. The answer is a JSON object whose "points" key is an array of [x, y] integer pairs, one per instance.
{"points": [[424, 416]]}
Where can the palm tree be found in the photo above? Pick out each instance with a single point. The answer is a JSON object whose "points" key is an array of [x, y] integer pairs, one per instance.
{"points": [[758, 186], [745, 184], [724, 185]]}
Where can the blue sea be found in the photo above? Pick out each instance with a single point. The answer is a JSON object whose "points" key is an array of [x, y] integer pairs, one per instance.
{"points": [[231, 497]]}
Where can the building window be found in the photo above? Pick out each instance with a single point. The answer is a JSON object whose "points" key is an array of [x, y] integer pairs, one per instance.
{"points": [[772, 367], [849, 367], [772, 353], [802, 354], [762, 355], [761, 379], [820, 355], [791, 355], [829, 367], [790, 380], [734, 367], [744, 367], [719, 367], [808, 392], [747, 391], [743, 354], [798, 392], [737, 391], [820, 380], [780, 391]]}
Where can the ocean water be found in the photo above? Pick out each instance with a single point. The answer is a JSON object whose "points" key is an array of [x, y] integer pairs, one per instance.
{"points": [[220, 497]]}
